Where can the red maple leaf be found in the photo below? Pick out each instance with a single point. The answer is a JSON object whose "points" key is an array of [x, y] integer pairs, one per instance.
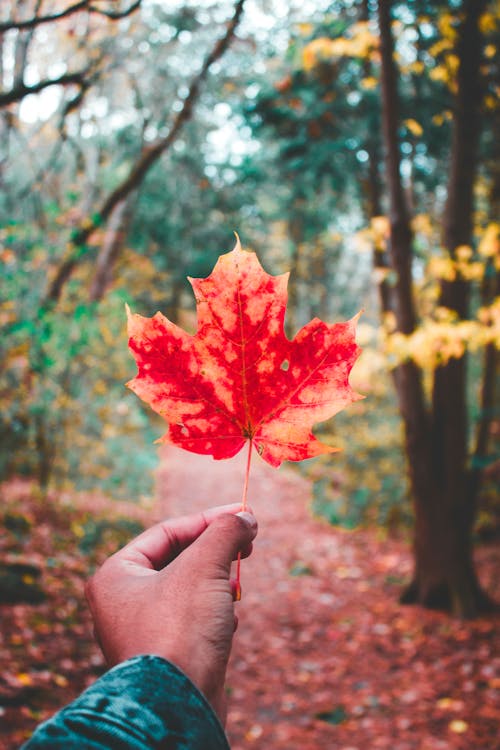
{"points": [[239, 378]]}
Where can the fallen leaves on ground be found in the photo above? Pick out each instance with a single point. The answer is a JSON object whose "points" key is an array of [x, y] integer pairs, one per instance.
{"points": [[324, 657]]}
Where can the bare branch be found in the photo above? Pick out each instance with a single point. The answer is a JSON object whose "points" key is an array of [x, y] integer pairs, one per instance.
{"points": [[115, 15], [147, 158], [82, 5], [21, 90]]}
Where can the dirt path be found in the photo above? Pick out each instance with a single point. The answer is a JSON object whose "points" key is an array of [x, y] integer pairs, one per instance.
{"points": [[324, 657]]}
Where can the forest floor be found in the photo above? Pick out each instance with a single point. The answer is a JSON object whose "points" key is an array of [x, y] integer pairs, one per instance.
{"points": [[324, 657]]}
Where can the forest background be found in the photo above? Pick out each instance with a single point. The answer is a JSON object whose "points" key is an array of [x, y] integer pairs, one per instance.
{"points": [[353, 143]]}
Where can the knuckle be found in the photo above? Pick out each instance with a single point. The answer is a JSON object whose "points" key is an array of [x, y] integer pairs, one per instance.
{"points": [[230, 523]]}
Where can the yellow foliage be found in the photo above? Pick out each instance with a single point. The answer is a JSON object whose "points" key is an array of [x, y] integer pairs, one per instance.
{"points": [[442, 337], [442, 268], [305, 28], [369, 83], [463, 252], [364, 240], [489, 246], [414, 127], [446, 25], [421, 224], [417, 67], [452, 63], [489, 318], [315, 51], [380, 231], [463, 267], [361, 42], [442, 117], [491, 102], [488, 23], [440, 73], [444, 45]]}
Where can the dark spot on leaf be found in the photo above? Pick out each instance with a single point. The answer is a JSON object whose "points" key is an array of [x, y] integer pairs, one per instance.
{"points": [[285, 365]]}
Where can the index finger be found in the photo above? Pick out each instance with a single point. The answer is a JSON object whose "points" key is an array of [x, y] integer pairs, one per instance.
{"points": [[160, 544]]}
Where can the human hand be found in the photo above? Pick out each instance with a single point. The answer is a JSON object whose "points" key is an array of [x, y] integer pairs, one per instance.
{"points": [[169, 593]]}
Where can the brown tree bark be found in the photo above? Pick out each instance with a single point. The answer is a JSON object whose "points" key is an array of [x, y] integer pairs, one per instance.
{"points": [[114, 241], [407, 376], [374, 189], [444, 574]]}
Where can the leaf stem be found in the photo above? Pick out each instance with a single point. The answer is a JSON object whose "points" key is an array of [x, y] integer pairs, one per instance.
{"points": [[247, 474], [243, 508]]}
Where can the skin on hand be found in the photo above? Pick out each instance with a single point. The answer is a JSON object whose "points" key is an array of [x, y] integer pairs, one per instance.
{"points": [[169, 593]]}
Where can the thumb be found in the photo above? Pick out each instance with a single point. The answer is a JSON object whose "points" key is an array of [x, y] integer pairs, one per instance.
{"points": [[220, 543]]}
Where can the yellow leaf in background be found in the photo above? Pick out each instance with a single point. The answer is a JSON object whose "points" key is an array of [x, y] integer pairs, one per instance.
{"points": [[442, 46], [317, 50], [24, 678], [489, 245], [491, 102], [442, 117], [414, 127], [442, 268], [381, 227], [360, 43], [458, 726], [370, 82], [77, 529], [305, 28], [60, 680], [452, 63], [445, 703], [488, 22], [463, 252], [417, 67], [422, 224], [439, 73], [446, 25]]}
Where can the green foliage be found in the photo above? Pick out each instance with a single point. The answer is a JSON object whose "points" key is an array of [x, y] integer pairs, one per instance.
{"points": [[363, 484], [284, 146], [110, 533], [66, 415]]}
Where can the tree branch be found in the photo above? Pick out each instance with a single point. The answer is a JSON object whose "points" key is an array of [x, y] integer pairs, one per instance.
{"points": [[22, 90], [31, 23], [148, 157]]}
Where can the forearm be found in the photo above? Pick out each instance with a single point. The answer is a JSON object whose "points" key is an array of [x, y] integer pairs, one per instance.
{"points": [[142, 704]]}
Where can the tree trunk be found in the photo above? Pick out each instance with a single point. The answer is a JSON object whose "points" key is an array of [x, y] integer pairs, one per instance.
{"points": [[444, 573], [407, 376], [112, 246]]}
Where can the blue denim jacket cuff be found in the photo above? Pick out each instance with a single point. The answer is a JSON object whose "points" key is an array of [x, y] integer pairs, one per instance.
{"points": [[144, 703]]}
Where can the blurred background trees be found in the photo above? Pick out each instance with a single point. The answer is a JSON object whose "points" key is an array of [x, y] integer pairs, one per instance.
{"points": [[352, 142]]}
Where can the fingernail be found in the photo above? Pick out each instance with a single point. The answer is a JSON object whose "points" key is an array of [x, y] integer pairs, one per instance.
{"points": [[249, 519]]}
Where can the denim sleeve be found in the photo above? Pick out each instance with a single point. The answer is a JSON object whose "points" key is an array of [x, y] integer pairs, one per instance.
{"points": [[145, 703]]}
